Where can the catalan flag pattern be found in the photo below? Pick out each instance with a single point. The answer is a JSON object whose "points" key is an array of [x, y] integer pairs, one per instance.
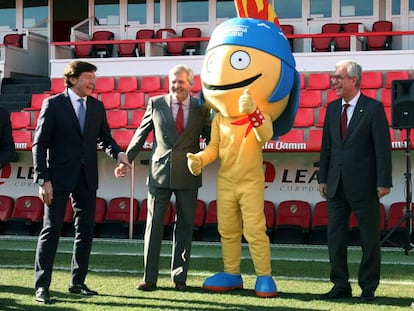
{"points": [[260, 9]]}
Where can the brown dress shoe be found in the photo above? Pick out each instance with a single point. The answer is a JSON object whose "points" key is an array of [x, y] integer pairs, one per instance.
{"points": [[181, 286], [147, 286]]}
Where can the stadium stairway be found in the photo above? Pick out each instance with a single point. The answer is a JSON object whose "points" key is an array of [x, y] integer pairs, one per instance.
{"points": [[15, 94]]}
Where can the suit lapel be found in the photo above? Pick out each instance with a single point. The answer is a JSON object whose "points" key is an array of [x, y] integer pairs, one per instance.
{"points": [[357, 114], [71, 112]]}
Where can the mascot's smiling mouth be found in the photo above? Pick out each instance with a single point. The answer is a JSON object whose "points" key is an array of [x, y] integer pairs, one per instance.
{"points": [[233, 85]]}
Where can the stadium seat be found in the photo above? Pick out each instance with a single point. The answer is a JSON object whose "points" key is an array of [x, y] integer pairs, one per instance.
{"points": [[103, 50], [127, 49], [371, 80], [314, 139], [388, 114], [22, 137], [304, 117], [319, 81], [386, 97], [104, 84], [144, 34], [270, 214], [199, 219], [288, 30], [294, 135], [150, 84], [344, 43], [330, 96], [83, 51], [117, 218], [57, 85], [127, 84], [134, 100], [111, 100], [164, 32], [20, 119], [136, 119], [396, 214], [6, 209], [122, 137], [140, 223], [13, 39], [370, 93], [310, 98], [196, 85], [100, 212], [191, 47], [37, 101], [395, 75], [302, 81], [319, 229], [293, 220], [381, 42], [324, 44], [117, 118], [210, 230], [175, 48], [26, 218], [320, 119]]}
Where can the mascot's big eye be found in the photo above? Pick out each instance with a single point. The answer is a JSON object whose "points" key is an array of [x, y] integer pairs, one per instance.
{"points": [[211, 63], [240, 60]]}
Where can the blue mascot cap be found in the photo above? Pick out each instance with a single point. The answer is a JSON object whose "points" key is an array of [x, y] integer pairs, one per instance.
{"points": [[267, 37]]}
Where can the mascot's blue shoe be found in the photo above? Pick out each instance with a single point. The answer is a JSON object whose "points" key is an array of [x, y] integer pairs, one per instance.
{"points": [[222, 282], [265, 287]]}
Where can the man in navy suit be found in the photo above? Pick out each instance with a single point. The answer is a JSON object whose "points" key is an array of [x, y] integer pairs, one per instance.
{"points": [[168, 172], [7, 150], [354, 174], [65, 165]]}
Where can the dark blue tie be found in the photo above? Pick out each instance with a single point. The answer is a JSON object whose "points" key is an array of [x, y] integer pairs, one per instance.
{"points": [[81, 113]]}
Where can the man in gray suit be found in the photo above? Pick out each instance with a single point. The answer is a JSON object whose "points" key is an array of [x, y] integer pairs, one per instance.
{"points": [[177, 121], [354, 174]]}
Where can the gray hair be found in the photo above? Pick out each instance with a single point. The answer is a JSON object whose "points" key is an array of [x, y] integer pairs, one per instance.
{"points": [[180, 68], [353, 69]]}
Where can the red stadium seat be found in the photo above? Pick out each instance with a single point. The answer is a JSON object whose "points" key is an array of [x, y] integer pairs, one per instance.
{"points": [[37, 101], [134, 100], [324, 44], [117, 218], [191, 47], [310, 98], [22, 137], [314, 139], [293, 220], [117, 118], [136, 119], [57, 85], [294, 135], [319, 228], [196, 85], [302, 81], [370, 93], [320, 120], [288, 30], [304, 117], [330, 96], [13, 39], [127, 84], [270, 214], [104, 84], [20, 119], [83, 51], [150, 84], [210, 231], [164, 32], [103, 50], [371, 80], [395, 75], [26, 218], [175, 48], [319, 81], [123, 137], [100, 212], [386, 97], [199, 220], [144, 34], [344, 43], [111, 100], [6, 207], [127, 49], [381, 42]]}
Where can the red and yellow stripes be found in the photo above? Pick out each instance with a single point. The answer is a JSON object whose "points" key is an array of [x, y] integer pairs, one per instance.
{"points": [[260, 9]]}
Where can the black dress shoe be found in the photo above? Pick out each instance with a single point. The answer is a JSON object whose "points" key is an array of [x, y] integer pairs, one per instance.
{"points": [[82, 289], [147, 286], [42, 295], [367, 296], [181, 286], [337, 293]]}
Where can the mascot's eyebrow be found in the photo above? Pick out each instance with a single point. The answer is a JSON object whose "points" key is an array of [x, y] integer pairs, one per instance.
{"points": [[233, 85]]}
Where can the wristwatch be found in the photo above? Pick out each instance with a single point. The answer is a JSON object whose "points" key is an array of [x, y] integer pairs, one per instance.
{"points": [[41, 182]]}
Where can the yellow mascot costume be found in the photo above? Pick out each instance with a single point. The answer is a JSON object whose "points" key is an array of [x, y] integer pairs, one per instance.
{"points": [[249, 79]]}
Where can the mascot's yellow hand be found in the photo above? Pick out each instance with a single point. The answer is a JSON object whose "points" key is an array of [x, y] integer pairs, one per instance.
{"points": [[246, 103], [194, 164]]}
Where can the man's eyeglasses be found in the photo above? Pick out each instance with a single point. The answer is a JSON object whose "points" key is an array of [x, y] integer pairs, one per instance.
{"points": [[338, 78]]}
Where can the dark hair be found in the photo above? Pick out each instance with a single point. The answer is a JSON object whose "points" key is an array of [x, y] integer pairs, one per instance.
{"points": [[75, 69]]}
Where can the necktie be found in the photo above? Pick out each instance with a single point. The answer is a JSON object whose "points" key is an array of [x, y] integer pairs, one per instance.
{"points": [[81, 113], [179, 119], [344, 120]]}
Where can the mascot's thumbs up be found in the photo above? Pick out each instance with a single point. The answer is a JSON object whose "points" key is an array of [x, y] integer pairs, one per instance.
{"points": [[194, 163], [246, 103]]}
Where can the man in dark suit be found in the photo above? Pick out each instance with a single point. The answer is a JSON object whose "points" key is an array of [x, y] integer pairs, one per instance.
{"points": [[65, 164], [354, 174], [168, 172], [7, 149]]}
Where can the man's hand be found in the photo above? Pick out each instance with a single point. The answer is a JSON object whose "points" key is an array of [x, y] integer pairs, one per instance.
{"points": [[122, 158], [194, 163], [322, 190], [46, 193], [121, 170], [246, 103]]}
